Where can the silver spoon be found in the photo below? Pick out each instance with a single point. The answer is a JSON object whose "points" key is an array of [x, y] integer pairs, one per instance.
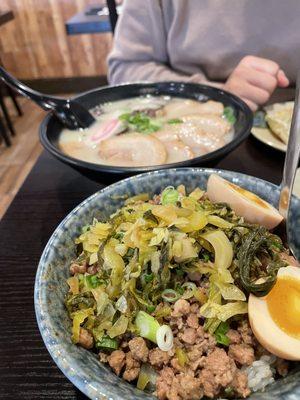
{"points": [[289, 172], [70, 113]]}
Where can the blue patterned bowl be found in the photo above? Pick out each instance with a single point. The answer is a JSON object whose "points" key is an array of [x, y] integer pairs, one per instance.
{"points": [[80, 366]]}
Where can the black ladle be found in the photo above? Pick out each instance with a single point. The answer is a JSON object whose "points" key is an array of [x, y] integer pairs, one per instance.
{"points": [[70, 113]]}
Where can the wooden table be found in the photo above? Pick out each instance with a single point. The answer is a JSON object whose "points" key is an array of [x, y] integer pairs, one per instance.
{"points": [[6, 16], [50, 192]]}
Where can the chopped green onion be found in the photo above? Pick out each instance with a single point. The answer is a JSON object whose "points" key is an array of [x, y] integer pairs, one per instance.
{"points": [[140, 122], [190, 290], [147, 376], [174, 121], [169, 196], [107, 343], [170, 295], [164, 338], [147, 326], [143, 379], [179, 289], [228, 113]]}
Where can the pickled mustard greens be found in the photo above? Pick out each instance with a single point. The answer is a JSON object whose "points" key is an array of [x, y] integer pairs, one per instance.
{"points": [[142, 260]]}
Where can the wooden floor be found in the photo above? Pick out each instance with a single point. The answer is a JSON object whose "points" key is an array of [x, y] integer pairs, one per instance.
{"points": [[17, 161]]}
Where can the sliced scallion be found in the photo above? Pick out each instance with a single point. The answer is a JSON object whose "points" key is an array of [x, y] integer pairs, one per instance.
{"points": [[170, 295], [147, 326]]}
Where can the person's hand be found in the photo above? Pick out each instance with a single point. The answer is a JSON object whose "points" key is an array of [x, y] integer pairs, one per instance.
{"points": [[254, 80]]}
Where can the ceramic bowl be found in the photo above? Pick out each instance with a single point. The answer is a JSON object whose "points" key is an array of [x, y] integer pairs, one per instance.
{"points": [[80, 366], [51, 128]]}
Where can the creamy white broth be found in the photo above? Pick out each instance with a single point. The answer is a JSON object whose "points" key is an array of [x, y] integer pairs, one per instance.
{"points": [[173, 130]]}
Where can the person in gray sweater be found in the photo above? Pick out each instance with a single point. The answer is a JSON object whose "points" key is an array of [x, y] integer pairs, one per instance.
{"points": [[248, 47]]}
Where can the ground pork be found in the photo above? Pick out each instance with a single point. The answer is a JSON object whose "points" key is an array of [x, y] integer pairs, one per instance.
{"points": [[158, 358], [85, 339], [209, 343], [218, 372], [176, 366], [240, 384], [181, 307], [103, 357], [164, 382], [177, 387], [246, 333], [77, 268], [193, 321], [132, 368], [189, 335], [194, 308], [139, 349], [282, 366], [209, 385], [92, 269], [189, 387], [234, 336], [116, 361], [241, 353]]}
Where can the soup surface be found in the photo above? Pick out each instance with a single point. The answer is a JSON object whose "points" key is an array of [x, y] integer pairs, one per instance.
{"points": [[150, 130]]}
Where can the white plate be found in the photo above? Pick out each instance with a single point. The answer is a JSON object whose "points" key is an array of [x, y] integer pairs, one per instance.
{"points": [[267, 137]]}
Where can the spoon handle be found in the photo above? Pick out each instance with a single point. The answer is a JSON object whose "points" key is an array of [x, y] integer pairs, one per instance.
{"points": [[44, 101], [292, 156], [71, 113]]}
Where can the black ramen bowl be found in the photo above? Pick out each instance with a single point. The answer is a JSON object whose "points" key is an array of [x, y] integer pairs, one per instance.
{"points": [[51, 128]]}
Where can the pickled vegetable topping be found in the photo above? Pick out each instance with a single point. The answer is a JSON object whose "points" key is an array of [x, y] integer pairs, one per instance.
{"points": [[151, 253]]}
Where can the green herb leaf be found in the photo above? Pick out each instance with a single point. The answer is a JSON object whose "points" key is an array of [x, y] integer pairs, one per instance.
{"points": [[174, 121], [148, 277], [228, 113], [107, 343], [220, 334], [179, 272], [206, 257], [151, 309], [93, 281]]}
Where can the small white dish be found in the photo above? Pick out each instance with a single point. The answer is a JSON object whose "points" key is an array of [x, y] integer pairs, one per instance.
{"points": [[266, 136]]}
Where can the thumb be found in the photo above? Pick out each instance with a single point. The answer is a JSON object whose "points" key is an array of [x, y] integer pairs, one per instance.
{"points": [[282, 79]]}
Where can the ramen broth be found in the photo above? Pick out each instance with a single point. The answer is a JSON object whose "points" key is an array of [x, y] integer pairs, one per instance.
{"points": [[149, 130]]}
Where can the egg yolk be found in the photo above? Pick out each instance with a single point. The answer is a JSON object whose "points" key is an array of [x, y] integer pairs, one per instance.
{"points": [[284, 305], [251, 196]]}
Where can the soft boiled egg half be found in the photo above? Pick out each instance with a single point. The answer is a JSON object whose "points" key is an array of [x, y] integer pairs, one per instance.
{"points": [[275, 318], [245, 204]]}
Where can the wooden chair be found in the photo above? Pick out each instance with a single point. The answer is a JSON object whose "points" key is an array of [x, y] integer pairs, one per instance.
{"points": [[5, 111], [3, 134], [4, 89]]}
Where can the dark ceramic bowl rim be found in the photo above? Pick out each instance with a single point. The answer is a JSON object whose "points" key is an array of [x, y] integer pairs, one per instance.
{"points": [[235, 142]]}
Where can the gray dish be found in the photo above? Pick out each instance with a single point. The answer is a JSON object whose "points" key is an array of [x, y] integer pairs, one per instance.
{"points": [[80, 366]]}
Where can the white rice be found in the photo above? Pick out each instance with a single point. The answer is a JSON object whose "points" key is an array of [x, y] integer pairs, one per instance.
{"points": [[261, 373]]}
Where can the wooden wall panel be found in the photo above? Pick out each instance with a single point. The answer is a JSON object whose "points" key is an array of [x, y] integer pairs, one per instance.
{"points": [[35, 44]]}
